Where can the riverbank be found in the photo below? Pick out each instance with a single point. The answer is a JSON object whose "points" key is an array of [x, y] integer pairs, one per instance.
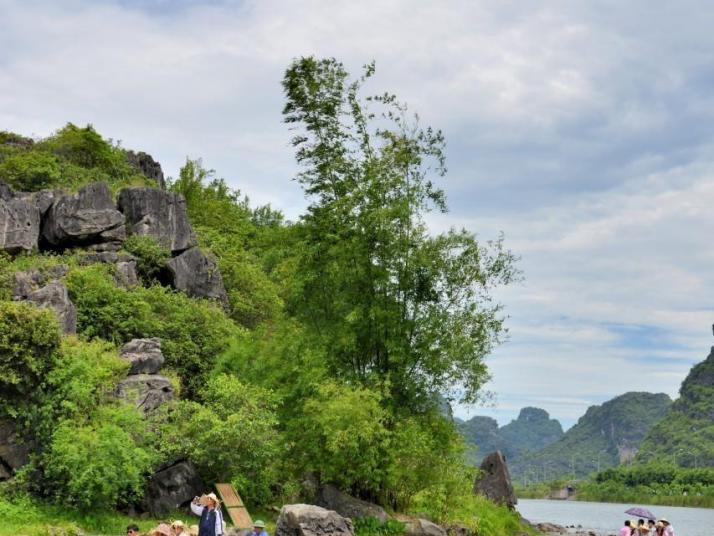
{"points": [[606, 518]]}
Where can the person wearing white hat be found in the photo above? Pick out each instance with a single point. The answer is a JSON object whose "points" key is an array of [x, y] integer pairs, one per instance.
{"points": [[209, 508], [668, 529]]}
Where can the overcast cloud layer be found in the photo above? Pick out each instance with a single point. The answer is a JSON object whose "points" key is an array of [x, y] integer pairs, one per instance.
{"points": [[581, 130]]}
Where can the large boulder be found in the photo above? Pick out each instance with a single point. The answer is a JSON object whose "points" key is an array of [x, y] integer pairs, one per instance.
{"points": [[28, 281], [144, 355], [54, 296], [310, 520], [14, 453], [158, 214], [494, 480], [197, 275], [172, 488], [146, 391], [330, 497], [87, 217], [42, 199], [420, 527], [149, 167], [19, 225]]}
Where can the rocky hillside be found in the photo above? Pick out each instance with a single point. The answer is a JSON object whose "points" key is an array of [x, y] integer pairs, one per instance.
{"points": [[685, 435], [532, 430], [605, 436]]}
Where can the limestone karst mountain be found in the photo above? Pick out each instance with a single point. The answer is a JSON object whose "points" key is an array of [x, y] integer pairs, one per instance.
{"points": [[685, 436], [607, 435]]}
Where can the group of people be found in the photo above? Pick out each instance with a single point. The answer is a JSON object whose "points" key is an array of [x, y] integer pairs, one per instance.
{"points": [[649, 528], [211, 522]]}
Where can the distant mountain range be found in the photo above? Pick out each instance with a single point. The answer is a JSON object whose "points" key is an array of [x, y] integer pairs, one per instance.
{"points": [[685, 436], [634, 427], [536, 447], [532, 430]]}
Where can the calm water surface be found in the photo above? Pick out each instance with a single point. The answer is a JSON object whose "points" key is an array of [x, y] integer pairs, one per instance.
{"points": [[607, 518]]}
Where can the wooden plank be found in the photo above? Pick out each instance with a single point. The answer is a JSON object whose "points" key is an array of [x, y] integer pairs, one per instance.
{"points": [[234, 505]]}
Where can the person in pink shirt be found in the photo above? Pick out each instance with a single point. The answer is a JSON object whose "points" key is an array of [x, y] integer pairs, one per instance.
{"points": [[626, 530]]}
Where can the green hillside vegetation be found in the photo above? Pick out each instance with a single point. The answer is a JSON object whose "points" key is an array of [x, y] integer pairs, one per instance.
{"points": [[685, 436], [342, 329], [605, 436], [532, 430]]}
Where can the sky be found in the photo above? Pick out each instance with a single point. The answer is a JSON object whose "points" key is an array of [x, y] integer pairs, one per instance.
{"points": [[581, 130]]}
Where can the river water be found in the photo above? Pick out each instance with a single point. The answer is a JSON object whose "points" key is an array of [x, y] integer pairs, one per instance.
{"points": [[607, 518]]}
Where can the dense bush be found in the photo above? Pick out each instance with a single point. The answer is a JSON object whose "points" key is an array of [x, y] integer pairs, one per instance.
{"points": [[31, 171], [193, 332], [150, 258], [232, 436], [98, 462], [29, 336]]}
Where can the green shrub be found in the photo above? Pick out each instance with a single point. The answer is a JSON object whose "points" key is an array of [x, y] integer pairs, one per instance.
{"points": [[371, 526], [31, 170], [98, 463], [232, 436], [150, 258], [29, 337], [193, 332]]}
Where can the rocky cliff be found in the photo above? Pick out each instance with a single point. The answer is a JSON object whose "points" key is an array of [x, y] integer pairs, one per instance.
{"points": [[685, 436]]}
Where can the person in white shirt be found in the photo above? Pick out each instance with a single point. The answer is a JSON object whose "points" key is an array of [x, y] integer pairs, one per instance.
{"points": [[209, 508]]}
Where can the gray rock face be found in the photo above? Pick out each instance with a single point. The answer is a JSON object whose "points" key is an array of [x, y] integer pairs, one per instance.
{"points": [[144, 355], [172, 487], [146, 391], [328, 496], [6, 192], [31, 280], [310, 520], [54, 296], [197, 275], [158, 214], [19, 225], [148, 166], [495, 481], [420, 527], [13, 452], [42, 200], [125, 274], [87, 217]]}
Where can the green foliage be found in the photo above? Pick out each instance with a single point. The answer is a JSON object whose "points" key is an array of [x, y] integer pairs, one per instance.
{"points": [[31, 171], [98, 463], [371, 526], [70, 158], [193, 332], [342, 436], [151, 258], [29, 336], [228, 227], [232, 436], [393, 303]]}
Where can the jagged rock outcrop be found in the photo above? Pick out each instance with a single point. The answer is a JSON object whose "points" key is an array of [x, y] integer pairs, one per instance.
{"points": [[149, 167], [87, 217], [144, 355], [330, 497], [143, 386], [494, 481], [42, 200], [197, 275], [45, 290], [19, 225], [172, 487], [13, 452], [55, 296], [158, 214], [146, 391], [311, 520]]}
